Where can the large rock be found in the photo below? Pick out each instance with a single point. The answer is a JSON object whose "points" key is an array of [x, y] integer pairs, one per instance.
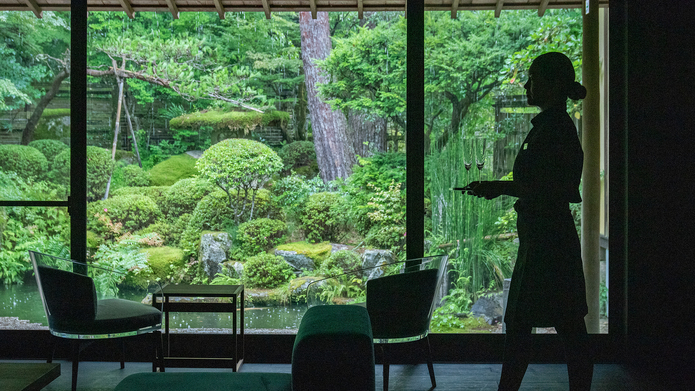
{"points": [[489, 307], [299, 262], [237, 268], [214, 247], [373, 258], [338, 247]]}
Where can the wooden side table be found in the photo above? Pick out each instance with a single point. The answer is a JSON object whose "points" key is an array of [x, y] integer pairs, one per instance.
{"points": [[235, 292]]}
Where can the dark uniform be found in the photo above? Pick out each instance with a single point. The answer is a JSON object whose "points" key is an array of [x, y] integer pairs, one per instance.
{"points": [[547, 287]]}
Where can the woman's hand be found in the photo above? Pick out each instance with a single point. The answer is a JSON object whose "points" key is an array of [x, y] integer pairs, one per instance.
{"points": [[488, 189]]}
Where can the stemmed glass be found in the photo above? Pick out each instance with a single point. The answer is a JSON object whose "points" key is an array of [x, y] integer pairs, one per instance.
{"points": [[481, 145]]}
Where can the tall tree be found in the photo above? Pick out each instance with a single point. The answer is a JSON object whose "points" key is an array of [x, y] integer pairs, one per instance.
{"points": [[334, 151]]}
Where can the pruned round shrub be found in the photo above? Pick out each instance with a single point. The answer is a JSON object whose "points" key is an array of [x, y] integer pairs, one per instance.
{"points": [[266, 271], [342, 261], [135, 176], [297, 154], [26, 161], [155, 192], [132, 212], [239, 166], [386, 237], [260, 235], [165, 263], [183, 196], [99, 169], [173, 169], [324, 217], [49, 148]]}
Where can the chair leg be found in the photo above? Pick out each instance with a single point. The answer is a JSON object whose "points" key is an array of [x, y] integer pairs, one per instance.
{"points": [[52, 349], [385, 360], [430, 367], [75, 362], [122, 352]]}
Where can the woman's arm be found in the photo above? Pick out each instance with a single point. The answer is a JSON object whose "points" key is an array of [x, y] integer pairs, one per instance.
{"points": [[493, 189]]}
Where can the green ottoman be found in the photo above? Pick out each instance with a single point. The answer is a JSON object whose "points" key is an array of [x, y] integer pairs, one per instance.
{"points": [[334, 350], [206, 381]]}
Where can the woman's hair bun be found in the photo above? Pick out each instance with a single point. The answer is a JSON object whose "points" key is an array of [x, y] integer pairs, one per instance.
{"points": [[576, 91]]}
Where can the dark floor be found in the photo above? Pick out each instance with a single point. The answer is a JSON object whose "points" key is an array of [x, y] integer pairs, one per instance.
{"points": [[103, 376]]}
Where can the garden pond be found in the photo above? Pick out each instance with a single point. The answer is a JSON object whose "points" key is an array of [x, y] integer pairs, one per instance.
{"points": [[23, 301]]}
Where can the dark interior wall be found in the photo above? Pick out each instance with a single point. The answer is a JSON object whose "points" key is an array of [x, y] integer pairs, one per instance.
{"points": [[661, 247]]}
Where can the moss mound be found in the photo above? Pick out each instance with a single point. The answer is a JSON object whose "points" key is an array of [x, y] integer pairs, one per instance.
{"points": [[173, 169], [164, 262], [220, 120], [317, 252]]}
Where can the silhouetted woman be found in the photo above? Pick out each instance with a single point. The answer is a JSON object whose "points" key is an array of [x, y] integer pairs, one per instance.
{"points": [[547, 287]]}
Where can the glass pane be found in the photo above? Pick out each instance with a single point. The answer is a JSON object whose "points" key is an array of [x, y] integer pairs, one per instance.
{"points": [[34, 106], [41, 229], [478, 117], [228, 148]]}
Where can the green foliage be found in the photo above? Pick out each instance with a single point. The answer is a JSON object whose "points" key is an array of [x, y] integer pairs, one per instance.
{"points": [[444, 321], [26, 161], [266, 271], [259, 235], [135, 176], [292, 192], [49, 148], [173, 169], [125, 258], [239, 167], [183, 196], [99, 168], [324, 217], [132, 212], [219, 120], [156, 193], [164, 264], [161, 228], [340, 262], [297, 154]]}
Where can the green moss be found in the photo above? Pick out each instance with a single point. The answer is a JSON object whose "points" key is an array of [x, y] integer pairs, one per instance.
{"points": [[317, 252], [164, 262], [219, 120], [173, 169], [55, 113], [450, 323]]}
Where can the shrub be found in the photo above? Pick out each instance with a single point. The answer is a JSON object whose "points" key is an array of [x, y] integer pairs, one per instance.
{"points": [[173, 169], [339, 262], [156, 193], [99, 169], [297, 154], [239, 167], [324, 217], [266, 271], [133, 212], [135, 176], [259, 235], [49, 148], [183, 196], [161, 228], [178, 227], [27, 162], [213, 213]]}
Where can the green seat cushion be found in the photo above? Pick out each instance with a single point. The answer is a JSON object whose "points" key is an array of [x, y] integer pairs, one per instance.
{"points": [[333, 350], [113, 316], [206, 381]]}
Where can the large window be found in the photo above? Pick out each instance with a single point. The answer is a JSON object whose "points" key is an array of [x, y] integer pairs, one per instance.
{"points": [[240, 150], [34, 155]]}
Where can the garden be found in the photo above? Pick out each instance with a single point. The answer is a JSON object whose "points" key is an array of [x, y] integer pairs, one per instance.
{"points": [[229, 152]]}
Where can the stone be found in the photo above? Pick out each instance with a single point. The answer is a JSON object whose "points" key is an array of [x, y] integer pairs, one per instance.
{"points": [[214, 247], [337, 247], [373, 258], [489, 307], [237, 268], [299, 262]]}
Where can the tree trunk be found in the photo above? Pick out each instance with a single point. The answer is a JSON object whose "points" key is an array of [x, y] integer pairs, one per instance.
{"points": [[334, 152], [28, 132], [300, 114], [117, 128], [368, 133]]}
